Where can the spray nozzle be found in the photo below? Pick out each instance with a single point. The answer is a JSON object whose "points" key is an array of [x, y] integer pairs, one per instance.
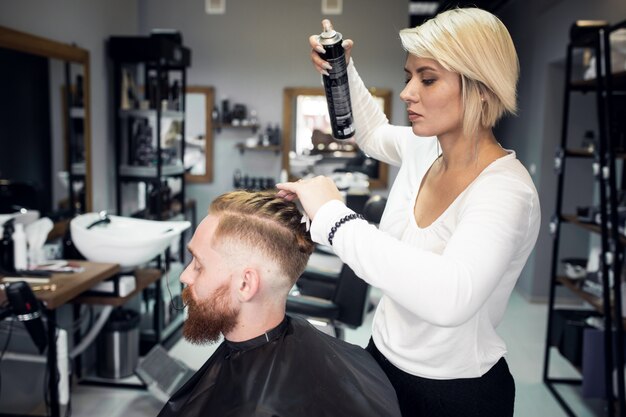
{"points": [[329, 32]]}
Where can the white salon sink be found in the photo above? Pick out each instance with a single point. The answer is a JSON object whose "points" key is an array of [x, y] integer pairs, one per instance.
{"points": [[126, 241], [24, 216]]}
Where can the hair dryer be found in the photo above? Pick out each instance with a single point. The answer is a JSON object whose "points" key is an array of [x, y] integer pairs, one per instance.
{"points": [[25, 307]]}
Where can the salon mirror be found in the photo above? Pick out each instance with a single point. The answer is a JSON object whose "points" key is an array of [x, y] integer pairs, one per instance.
{"points": [[199, 102], [45, 161], [308, 146]]}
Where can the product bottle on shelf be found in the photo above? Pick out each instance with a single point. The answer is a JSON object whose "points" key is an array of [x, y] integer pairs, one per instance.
{"points": [[6, 247], [20, 258]]}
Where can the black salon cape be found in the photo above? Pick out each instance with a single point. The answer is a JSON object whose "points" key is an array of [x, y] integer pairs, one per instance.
{"points": [[294, 371]]}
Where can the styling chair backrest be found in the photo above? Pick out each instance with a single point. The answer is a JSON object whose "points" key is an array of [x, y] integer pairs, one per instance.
{"points": [[351, 295], [16, 195], [373, 208]]}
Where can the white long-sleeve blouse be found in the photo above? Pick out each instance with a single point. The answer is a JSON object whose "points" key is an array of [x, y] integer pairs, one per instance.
{"points": [[446, 286]]}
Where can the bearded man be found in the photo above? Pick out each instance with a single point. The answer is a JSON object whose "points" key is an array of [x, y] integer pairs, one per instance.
{"points": [[247, 254]]}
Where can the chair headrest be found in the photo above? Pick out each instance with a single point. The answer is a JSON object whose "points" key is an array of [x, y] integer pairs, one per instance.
{"points": [[374, 207]]}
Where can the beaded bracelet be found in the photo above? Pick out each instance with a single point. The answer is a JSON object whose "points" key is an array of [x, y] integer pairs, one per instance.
{"points": [[344, 219]]}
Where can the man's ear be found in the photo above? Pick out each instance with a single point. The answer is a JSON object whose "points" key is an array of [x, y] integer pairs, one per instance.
{"points": [[248, 285]]}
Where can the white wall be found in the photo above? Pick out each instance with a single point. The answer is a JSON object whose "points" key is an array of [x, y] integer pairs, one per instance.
{"points": [[87, 24], [257, 48]]}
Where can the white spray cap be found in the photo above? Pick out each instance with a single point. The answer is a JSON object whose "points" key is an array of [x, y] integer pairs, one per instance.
{"points": [[328, 32]]}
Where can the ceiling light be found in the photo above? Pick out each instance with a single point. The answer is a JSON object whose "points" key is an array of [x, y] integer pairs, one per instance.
{"points": [[215, 6], [423, 7]]}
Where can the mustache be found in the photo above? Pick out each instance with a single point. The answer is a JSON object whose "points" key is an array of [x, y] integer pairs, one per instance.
{"points": [[185, 296], [187, 299]]}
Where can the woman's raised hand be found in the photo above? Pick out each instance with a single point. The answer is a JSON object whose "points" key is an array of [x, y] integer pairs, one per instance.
{"points": [[313, 193], [318, 62]]}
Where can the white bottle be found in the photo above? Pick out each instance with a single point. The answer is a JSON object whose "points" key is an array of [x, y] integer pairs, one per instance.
{"points": [[20, 260], [284, 177]]}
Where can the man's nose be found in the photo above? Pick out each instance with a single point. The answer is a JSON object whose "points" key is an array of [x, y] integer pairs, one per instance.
{"points": [[186, 276]]}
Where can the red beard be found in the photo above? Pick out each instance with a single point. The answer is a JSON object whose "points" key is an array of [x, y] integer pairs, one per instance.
{"points": [[210, 318]]}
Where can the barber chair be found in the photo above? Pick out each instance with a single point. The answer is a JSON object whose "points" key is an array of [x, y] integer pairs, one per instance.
{"points": [[373, 208], [341, 300], [17, 195], [357, 202], [315, 284], [346, 308], [323, 285]]}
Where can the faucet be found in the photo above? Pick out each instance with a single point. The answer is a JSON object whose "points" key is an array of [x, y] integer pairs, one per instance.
{"points": [[104, 219]]}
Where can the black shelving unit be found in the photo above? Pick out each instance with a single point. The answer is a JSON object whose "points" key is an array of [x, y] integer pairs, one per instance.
{"points": [[149, 84], [608, 88], [75, 164], [149, 81]]}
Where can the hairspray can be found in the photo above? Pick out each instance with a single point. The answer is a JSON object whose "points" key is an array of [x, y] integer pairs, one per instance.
{"points": [[336, 84]]}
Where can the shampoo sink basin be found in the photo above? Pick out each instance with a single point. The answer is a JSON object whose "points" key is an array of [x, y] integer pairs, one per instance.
{"points": [[126, 241]]}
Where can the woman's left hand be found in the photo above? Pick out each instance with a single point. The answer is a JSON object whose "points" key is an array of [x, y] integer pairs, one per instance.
{"points": [[313, 193]]}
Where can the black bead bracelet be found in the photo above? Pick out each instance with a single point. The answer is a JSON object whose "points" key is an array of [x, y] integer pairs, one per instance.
{"points": [[338, 224]]}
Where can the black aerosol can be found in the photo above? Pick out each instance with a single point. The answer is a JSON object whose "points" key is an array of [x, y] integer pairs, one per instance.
{"points": [[336, 84]]}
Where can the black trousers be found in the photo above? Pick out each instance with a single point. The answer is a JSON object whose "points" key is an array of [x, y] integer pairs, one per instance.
{"points": [[491, 395]]}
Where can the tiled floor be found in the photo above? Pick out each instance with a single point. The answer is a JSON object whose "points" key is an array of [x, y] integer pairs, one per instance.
{"points": [[523, 329]]}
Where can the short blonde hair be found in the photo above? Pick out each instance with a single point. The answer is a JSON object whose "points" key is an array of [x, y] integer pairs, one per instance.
{"points": [[267, 223], [475, 44]]}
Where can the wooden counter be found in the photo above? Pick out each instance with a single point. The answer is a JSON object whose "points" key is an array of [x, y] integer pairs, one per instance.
{"points": [[70, 285]]}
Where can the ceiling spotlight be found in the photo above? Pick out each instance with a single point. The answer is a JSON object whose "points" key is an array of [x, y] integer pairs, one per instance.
{"points": [[422, 8], [215, 6]]}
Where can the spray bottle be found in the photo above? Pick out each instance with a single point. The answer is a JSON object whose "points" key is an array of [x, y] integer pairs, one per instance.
{"points": [[336, 84]]}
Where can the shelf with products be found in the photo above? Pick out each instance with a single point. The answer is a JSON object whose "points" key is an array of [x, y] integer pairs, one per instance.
{"points": [[219, 126], [240, 118], [151, 113], [573, 219], [149, 75], [73, 175], [237, 116], [77, 113], [601, 284], [258, 148], [252, 182], [618, 79], [139, 173], [575, 286], [174, 212], [592, 227], [587, 152]]}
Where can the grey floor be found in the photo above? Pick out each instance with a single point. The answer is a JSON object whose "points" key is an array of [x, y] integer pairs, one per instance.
{"points": [[523, 329]]}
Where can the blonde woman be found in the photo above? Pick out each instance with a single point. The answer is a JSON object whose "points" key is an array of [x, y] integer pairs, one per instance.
{"points": [[461, 219]]}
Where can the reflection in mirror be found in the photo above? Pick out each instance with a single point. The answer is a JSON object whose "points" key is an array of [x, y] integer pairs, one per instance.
{"points": [[199, 103], [308, 146], [44, 125], [68, 145]]}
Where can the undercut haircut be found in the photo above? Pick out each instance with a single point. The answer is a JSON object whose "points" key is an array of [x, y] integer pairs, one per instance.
{"points": [[267, 223], [475, 44]]}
